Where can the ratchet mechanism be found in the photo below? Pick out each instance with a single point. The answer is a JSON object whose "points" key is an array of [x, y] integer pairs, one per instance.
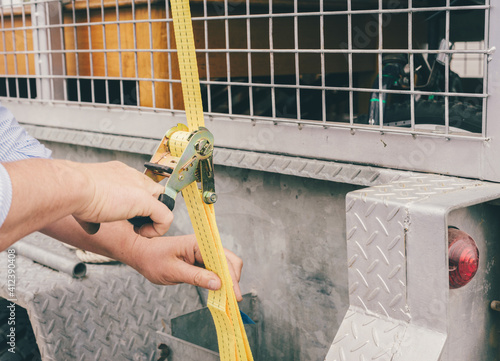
{"points": [[183, 157]]}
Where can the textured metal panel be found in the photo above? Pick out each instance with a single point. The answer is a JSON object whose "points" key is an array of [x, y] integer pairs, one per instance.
{"points": [[308, 168], [376, 223], [300, 167], [416, 188], [398, 271], [112, 314], [366, 337], [473, 158], [93, 139], [376, 255]]}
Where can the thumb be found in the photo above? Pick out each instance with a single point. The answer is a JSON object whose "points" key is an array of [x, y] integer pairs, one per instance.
{"points": [[198, 276]]}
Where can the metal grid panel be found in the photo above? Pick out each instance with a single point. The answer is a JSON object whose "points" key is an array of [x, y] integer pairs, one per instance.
{"points": [[384, 65]]}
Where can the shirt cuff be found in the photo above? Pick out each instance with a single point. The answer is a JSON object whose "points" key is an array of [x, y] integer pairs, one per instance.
{"points": [[5, 194]]}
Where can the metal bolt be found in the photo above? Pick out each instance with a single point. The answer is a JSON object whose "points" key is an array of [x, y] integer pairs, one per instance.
{"points": [[203, 147], [181, 177], [209, 197], [495, 305]]}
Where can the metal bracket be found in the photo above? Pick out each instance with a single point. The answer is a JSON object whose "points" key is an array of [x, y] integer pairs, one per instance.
{"points": [[193, 335], [194, 164], [396, 249]]}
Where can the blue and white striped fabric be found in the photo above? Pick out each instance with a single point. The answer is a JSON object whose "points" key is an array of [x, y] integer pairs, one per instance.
{"points": [[5, 194], [15, 144]]}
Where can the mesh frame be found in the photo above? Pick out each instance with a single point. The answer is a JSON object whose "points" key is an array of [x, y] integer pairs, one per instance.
{"points": [[121, 54]]}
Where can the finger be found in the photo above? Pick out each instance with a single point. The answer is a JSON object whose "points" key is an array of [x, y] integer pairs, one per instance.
{"points": [[162, 218], [152, 230], [197, 276], [236, 285], [236, 262], [237, 292], [154, 188], [197, 252]]}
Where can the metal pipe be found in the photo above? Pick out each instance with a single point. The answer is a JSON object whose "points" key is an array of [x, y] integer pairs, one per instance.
{"points": [[47, 258]]}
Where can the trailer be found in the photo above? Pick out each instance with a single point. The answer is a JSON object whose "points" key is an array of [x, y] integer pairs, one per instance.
{"points": [[356, 165]]}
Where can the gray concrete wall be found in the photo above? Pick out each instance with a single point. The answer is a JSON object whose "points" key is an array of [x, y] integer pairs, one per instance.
{"points": [[290, 232]]}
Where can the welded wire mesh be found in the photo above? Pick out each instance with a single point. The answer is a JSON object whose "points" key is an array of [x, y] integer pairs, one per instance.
{"points": [[397, 65]]}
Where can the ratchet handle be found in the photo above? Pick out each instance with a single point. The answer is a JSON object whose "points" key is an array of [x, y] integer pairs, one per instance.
{"points": [[140, 221]]}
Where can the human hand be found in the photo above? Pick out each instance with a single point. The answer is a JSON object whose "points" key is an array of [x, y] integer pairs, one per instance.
{"points": [[113, 191], [174, 260]]}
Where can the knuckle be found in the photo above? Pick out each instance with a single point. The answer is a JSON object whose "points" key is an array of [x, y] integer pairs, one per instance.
{"points": [[238, 263], [198, 277]]}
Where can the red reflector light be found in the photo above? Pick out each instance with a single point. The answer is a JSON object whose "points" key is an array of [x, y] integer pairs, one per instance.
{"points": [[463, 257]]}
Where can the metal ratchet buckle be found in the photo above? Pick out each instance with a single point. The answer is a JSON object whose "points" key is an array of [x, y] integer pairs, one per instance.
{"points": [[194, 164]]}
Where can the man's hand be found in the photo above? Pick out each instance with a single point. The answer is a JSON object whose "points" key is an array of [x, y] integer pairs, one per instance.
{"points": [[115, 191], [44, 191], [162, 260], [173, 260]]}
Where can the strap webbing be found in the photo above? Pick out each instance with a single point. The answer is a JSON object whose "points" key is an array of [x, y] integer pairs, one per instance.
{"points": [[232, 338]]}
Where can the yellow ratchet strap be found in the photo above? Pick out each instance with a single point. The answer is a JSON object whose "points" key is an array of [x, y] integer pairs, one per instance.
{"points": [[232, 338]]}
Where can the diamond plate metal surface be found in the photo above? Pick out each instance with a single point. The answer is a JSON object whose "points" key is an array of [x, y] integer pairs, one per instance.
{"points": [[376, 221], [111, 314], [366, 337], [281, 164], [416, 188], [386, 319], [94, 139], [308, 168], [376, 256]]}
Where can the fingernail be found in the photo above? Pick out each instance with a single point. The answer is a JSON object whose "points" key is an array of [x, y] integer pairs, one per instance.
{"points": [[212, 285]]}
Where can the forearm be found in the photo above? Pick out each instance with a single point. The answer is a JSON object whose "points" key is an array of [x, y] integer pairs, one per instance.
{"points": [[115, 240], [162, 260], [43, 191]]}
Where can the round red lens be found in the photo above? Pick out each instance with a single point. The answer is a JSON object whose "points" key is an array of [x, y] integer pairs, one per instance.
{"points": [[463, 257]]}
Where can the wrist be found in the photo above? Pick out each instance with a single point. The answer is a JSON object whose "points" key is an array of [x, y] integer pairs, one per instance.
{"points": [[81, 187], [130, 248]]}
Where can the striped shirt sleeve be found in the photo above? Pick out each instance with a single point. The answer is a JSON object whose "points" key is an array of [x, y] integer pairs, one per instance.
{"points": [[5, 194], [15, 144]]}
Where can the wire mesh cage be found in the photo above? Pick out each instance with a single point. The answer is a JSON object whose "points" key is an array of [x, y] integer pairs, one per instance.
{"points": [[415, 66]]}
